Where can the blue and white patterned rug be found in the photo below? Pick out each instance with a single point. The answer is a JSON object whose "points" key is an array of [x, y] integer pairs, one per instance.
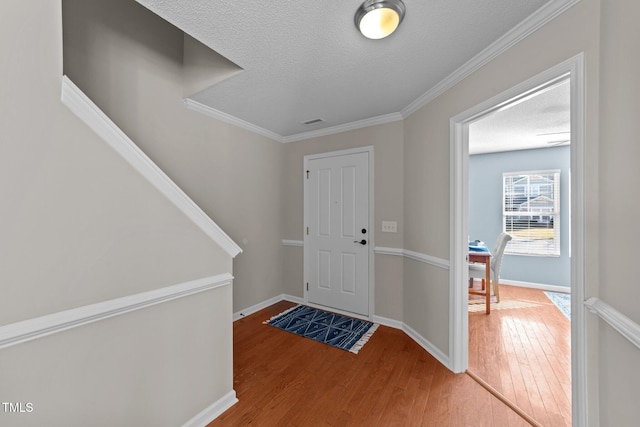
{"points": [[330, 328], [562, 301]]}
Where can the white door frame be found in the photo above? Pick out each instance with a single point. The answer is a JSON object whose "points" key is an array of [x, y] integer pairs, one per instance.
{"points": [[370, 230], [459, 139]]}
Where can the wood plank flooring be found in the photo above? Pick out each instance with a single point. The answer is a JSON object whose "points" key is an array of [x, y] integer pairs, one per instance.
{"points": [[525, 354], [282, 379]]}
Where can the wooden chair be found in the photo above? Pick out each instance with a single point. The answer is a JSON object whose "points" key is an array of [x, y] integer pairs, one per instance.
{"points": [[478, 270]]}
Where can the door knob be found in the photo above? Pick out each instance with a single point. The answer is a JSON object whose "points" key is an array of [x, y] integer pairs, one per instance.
{"points": [[362, 242]]}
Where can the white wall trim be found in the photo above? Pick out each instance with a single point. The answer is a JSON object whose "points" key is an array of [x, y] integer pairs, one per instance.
{"points": [[28, 330], [213, 411], [228, 118], [531, 24], [291, 298], [392, 323], [458, 312], [427, 345], [416, 256], [293, 242], [427, 259], [264, 304], [381, 250], [531, 285], [618, 321], [385, 321], [98, 121], [373, 121]]}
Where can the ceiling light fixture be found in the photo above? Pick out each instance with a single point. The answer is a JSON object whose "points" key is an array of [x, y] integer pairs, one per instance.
{"points": [[377, 19]]}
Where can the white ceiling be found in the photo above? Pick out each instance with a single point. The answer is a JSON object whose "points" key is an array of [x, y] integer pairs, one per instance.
{"points": [[304, 60], [541, 120]]}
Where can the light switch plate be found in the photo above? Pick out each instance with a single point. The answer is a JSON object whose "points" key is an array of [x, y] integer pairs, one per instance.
{"points": [[389, 226]]}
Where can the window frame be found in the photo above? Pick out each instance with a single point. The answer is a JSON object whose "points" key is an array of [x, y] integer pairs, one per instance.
{"points": [[521, 245]]}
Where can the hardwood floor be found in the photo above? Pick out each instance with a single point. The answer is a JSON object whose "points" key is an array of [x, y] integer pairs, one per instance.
{"points": [[525, 354], [285, 380]]}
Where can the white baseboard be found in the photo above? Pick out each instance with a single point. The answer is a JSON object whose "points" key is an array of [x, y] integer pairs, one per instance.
{"points": [[213, 411], [291, 298], [396, 324], [542, 286], [264, 304], [427, 345], [392, 323], [257, 307]]}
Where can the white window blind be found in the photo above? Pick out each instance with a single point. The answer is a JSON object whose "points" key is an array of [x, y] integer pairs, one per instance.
{"points": [[531, 212]]}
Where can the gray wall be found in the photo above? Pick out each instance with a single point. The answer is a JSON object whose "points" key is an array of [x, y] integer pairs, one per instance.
{"points": [[427, 160], [80, 226], [619, 194], [130, 63], [607, 33], [64, 194], [485, 210]]}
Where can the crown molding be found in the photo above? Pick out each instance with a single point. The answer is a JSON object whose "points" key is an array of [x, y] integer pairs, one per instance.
{"points": [[360, 124], [228, 118], [528, 26], [82, 106]]}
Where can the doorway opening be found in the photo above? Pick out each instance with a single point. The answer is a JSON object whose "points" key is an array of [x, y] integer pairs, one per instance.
{"points": [[519, 179], [570, 71]]}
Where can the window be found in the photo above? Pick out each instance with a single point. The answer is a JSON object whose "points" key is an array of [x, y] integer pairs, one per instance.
{"points": [[531, 212]]}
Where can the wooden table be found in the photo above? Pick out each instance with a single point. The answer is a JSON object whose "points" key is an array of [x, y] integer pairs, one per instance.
{"points": [[484, 258]]}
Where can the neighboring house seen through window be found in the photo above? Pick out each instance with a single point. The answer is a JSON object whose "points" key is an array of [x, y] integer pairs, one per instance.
{"points": [[531, 212]]}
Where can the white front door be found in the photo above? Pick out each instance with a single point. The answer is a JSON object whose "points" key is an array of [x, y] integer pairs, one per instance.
{"points": [[337, 239]]}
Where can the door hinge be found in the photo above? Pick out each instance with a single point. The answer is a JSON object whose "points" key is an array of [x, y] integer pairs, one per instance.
{"points": [[307, 286], [307, 231], [307, 174]]}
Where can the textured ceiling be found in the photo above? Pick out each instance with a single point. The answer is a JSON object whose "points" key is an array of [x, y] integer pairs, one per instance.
{"points": [[538, 121], [305, 60]]}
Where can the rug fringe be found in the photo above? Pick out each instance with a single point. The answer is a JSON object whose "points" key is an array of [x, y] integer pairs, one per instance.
{"points": [[364, 339], [266, 322]]}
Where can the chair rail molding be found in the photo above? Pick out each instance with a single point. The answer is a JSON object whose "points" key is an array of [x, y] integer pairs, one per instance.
{"points": [[83, 107], [618, 321], [38, 327], [416, 256]]}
